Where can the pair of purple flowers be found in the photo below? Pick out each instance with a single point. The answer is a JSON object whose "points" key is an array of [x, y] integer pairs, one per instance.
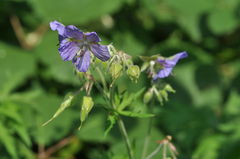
{"points": [[77, 46]]}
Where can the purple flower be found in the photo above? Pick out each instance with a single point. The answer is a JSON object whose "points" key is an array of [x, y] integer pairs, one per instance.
{"points": [[77, 46], [168, 64]]}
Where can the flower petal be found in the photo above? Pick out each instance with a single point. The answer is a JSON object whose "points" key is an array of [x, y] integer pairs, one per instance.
{"points": [[100, 51], [163, 73], [172, 61], [82, 63], [92, 37], [68, 49], [55, 25], [73, 32]]}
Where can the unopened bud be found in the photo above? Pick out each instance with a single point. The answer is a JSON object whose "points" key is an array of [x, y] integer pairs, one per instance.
{"points": [[116, 70], [169, 88], [86, 107], [133, 72], [164, 94], [148, 96]]}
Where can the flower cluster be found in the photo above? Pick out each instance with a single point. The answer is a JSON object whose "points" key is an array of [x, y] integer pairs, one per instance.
{"points": [[77, 46]]}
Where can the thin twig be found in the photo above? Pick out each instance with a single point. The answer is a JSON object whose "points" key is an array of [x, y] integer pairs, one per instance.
{"points": [[45, 154], [30, 40]]}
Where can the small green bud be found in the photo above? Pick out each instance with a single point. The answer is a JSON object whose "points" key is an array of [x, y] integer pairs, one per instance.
{"points": [[169, 88], [86, 107], [159, 97], [133, 72], [116, 70], [148, 96], [164, 94], [144, 66]]}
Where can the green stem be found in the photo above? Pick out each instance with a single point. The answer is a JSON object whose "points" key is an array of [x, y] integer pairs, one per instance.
{"points": [[120, 121], [148, 136], [147, 139], [102, 79], [164, 151], [154, 152], [126, 138], [121, 126]]}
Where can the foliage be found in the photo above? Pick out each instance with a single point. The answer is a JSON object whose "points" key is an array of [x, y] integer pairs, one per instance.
{"points": [[202, 116]]}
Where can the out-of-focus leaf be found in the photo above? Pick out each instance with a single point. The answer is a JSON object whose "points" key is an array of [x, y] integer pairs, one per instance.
{"points": [[223, 19], [8, 141], [187, 13], [22, 132], [88, 131], [209, 147], [233, 104], [75, 11], [15, 66], [129, 43]]}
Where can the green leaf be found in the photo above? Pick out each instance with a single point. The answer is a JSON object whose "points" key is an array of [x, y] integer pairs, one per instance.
{"points": [[112, 121], [7, 139], [128, 42], [209, 147], [75, 11], [233, 103], [134, 114], [127, 99], [15, 66], [223, 21], [23, 134]]}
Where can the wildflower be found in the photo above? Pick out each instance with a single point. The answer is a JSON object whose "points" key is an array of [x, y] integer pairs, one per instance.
{"points": [[168, 64], [77, 46]]}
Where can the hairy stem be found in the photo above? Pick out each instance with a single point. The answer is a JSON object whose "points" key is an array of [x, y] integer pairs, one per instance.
{"points": [[126, 138], [147, 139], [154, 152], [122, 126], [102, 79]]}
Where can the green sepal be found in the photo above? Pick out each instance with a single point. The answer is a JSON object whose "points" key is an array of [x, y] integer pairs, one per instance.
{"points": [[65, 104], [87, 106]]}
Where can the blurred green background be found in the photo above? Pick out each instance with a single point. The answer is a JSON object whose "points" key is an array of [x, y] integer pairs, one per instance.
{"points": [[203, 117]]}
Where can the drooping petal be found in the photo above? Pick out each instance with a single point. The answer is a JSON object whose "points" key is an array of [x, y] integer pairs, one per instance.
{"points": [[73, 32], [172, 61], [82, 63], [168, 64], [68, 49], [163, 73], [55, 25], [100, 51], [92, 37]]}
